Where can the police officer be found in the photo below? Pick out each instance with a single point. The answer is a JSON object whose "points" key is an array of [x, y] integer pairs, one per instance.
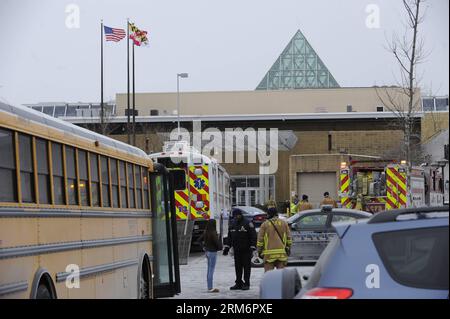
{"points": [[242, 237]]}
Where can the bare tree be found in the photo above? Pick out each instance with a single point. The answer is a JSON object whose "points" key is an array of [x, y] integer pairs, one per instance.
{"points": [[403, 100]]}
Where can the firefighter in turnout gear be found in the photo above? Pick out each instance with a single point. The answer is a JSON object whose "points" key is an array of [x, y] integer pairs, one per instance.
{"points": [[304, 204], [242, 237], [274, 241], [327, 200]]}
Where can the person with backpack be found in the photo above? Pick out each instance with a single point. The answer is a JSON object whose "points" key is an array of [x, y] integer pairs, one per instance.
{"points": [[274, 241]]}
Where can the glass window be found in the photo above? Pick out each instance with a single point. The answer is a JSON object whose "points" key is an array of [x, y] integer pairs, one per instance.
{"points": [[95, 185], [8, 186], [131, 185], [58, 174], [343, 218], [72, 186], [137, 173], [105, 181], [416, 257], [161, 244], [313, 220], [71, 110], [114, 182], [26, 168], [43, 171], [123, 184], [48, 110], [83, 176], [179, 179], [253, 181], [37, 108], [441, 104], [428, 104], [60, 111], [145, 186]]}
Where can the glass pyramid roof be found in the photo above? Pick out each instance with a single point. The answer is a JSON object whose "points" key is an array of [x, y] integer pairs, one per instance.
{"points": [[297, 67]]}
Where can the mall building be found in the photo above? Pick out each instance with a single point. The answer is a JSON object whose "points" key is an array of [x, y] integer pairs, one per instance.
{"points": [[320, 124]]}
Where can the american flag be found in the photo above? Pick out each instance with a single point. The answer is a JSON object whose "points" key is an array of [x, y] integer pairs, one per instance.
{"points": [[113, 34]]}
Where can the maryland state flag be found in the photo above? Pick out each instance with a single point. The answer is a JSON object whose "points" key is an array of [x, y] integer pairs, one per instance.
{"points": [[139, 37]]}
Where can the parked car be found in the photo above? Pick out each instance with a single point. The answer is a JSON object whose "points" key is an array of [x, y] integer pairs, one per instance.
{"points": [[252, 214], [312, 230], [395, 254]]}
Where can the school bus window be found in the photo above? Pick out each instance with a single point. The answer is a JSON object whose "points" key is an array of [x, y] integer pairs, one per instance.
{"points": [[105, 181], [8, 185], [83, 176], [131, 185], [114, 182], [145, 186], [43, 171], [123, 185], [26, 168], [137, 174], [72, 187], [58, 174], [95, 186]]}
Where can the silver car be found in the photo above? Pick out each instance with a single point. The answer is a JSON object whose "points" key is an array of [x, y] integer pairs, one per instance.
{"points": [[312, 230]]}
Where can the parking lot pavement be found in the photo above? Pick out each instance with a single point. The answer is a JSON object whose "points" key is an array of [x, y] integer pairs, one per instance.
{"points": [[193, 279]]}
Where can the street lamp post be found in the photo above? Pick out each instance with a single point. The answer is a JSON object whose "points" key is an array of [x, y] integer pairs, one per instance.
{"points": [[179, 75]]}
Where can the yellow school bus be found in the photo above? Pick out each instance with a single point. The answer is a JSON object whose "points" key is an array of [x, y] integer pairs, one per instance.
{"points": [[79, 212]]}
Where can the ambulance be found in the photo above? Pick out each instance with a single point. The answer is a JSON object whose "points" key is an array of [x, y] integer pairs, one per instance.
{"points": [[201, 191]]}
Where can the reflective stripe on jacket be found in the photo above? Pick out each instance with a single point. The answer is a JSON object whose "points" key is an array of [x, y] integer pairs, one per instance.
{"points": [[328, 201], [303, 205], [269, 242]]}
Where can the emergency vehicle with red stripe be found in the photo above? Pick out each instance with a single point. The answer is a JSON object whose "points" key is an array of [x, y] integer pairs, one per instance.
{"points": [[377, 185], [201, 187]]}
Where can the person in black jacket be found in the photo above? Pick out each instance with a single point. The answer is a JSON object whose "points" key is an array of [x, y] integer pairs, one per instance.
{"points": [[211, 245], [242, 237]]}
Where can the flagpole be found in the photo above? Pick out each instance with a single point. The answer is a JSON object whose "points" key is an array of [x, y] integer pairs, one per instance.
{"points": [[128, 81], [134, 104], [101, 78]]}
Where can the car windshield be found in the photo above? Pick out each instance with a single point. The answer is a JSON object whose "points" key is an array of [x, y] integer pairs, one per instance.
{"points": [[295, 217]]}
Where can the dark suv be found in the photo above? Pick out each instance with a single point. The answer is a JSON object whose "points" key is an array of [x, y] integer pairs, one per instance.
{"points": [[395, 254]]}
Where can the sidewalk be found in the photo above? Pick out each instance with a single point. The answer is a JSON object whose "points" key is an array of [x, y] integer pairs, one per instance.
{"points": [[193, 279]]}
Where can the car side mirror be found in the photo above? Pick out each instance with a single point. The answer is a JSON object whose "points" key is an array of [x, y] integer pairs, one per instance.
{"points": [[280, 284]]}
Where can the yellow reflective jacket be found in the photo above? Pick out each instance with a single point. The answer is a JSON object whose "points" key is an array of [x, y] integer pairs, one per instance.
{"points": [[269, 244]]}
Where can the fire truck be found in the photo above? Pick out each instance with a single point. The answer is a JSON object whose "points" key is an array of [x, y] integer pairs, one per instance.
{"points": [[201, 191], [377, 185]]}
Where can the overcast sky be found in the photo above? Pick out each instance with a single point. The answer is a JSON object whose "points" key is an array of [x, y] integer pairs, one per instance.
{"points": [[223, 45]]}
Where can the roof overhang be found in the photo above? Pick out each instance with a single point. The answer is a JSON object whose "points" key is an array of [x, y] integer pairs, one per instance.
{"points": [[242, 117]]}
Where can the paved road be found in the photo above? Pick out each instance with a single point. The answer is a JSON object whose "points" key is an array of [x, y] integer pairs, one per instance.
{"points": [[193, 279]]}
